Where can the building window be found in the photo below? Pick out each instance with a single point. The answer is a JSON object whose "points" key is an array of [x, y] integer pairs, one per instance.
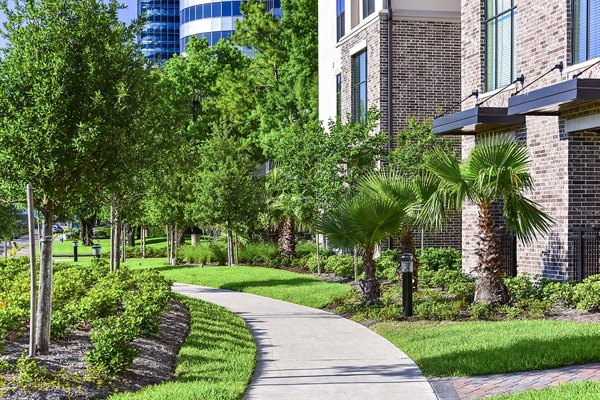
{"points": [[368, 7], [340, 13], [359, 87], [338, 94], [501, 61], [586, 30]]}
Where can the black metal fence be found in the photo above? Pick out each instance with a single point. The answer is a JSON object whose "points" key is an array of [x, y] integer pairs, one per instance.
{"points": [[586, 253], [508, 249]]}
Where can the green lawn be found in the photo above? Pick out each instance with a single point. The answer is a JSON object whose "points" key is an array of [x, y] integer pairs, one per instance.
{"points": [[133, 263], [482, 347], [275, 283], [66, 247], [569, 391], [216, 361]]}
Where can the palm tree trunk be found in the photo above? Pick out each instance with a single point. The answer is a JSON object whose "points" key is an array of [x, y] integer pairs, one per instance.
{"points": [[490, 287], [408, 246], [287, 239], [369, 285]]}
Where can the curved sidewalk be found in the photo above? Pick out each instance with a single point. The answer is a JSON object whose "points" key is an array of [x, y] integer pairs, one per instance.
{"points": [[309, 354]]}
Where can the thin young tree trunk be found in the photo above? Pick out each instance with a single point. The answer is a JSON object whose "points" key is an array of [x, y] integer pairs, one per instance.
{"points": [[318, 256], [490, 287], [355, 257], [369, 285], [44, 314], [175, 242], [32, 273], [407, 246], [112, 235], [143, 233], [123, 243], [237, 247], [130, 236], [229, 247], [6, 249], [118, 230]]}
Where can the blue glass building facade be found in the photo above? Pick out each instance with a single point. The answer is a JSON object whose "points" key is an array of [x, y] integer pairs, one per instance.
{"points": [[160, 37]]}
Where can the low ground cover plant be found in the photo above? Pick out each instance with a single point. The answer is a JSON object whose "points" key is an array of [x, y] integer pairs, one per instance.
{"points": [[116, 307]]}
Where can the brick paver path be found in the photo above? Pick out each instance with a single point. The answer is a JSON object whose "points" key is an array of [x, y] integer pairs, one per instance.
{"points": [[491, 385]]}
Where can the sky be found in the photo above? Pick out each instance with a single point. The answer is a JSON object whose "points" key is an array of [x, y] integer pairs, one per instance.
{"points": [[125, 15]]}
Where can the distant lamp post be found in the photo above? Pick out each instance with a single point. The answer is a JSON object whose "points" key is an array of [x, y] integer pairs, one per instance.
{"points": [[407, 263], [196, 107], [96, 250], [75, 244]]}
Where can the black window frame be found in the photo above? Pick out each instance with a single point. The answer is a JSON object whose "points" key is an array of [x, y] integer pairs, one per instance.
{"points": [[574, 47], [368, 7], [359, 114], [489, 85], [340, 13]]}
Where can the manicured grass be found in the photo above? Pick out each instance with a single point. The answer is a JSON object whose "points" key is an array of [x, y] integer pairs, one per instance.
{"points": [[216, 361], [66, 247], [569, 391], [133, 263], [480, 347], [278, 284]]}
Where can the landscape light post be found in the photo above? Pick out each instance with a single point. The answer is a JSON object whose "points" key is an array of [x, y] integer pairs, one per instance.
{"points": [[75, 243], [406, 261], [96, 250]]}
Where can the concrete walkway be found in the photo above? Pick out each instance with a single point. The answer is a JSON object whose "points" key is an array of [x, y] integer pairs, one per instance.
{"points": [[309, 354]]}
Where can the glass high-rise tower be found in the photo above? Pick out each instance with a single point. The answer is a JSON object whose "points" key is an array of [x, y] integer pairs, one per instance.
{"points": [[160, 36]]}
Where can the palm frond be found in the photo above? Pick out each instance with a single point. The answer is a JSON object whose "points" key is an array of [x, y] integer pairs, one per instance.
{"points": [[525, 219]]}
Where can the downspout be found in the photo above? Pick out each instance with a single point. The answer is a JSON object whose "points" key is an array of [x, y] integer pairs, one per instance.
{"points": [[390, 83], [390, 88]]}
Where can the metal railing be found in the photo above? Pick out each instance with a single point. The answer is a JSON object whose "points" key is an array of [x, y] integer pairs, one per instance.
{"points": [[586, 252], [508, 249]]}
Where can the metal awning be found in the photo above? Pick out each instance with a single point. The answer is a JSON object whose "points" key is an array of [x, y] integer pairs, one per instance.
{"points": [[554, 99], [474, 120]]}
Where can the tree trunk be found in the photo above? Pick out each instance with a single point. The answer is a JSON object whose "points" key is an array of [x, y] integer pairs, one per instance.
{"points": [[490, 288], [44, 308], [355, 260], [407, 246], [115, 262], [237, 248], [6, 249], [318, 256], [369, 285], [143, 234], [130, 236], [287, 238], [229, 247], [86, 230], [123, 243]]}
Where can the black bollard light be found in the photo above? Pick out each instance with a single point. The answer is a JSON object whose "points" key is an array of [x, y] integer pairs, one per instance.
{"points": [[75, 243], [406, 262]]}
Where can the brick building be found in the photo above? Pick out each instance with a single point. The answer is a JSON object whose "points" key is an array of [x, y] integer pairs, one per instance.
{"points": [[416, 75], [557, 117]]}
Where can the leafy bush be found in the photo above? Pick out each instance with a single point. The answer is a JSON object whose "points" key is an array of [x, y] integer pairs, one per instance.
{"points": [[311, 263], [219, 251], [521, 288], [433, 259], [258, 253], [342, 265], [387, 264], [587, 294], [151, 252], [480, 311], [305, 248], [199, 254], [439, 310]]}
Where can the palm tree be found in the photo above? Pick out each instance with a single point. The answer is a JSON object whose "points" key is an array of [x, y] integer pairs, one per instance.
{"points": [[362, 222], [495, 171], [415, 192]]}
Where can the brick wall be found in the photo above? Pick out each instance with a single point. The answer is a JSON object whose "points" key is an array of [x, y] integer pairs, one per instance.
{"points": [[564, 166]]}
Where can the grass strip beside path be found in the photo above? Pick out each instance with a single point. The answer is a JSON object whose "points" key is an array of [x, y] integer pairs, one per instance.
{"points": [[569, 391], [483, 347], [216, 361], [269, 282]]}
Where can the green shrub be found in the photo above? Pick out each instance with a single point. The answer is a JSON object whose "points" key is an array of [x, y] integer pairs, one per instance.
{"points": [[112, 352], [433, 259], [219, 251], [311, 263], [342, 265], [387, 264], [587, 294], [521, 288], [481, 311], [561, 293], [439, 310], [199, 254], [305, 248], [258, 253], [509, 312]]}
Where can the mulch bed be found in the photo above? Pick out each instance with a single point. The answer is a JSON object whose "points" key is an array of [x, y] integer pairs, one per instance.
{"points": [[156, 361]]}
